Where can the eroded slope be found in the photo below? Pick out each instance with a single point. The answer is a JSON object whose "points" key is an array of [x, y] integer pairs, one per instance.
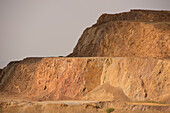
{"points": [[130, 34]]}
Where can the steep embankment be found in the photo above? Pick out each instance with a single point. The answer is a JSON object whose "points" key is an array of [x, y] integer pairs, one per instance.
{"points": [[73, 78], [136, 33]]}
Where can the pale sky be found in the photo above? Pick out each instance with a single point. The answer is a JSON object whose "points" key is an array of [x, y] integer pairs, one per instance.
{"points": [[33, 28]]}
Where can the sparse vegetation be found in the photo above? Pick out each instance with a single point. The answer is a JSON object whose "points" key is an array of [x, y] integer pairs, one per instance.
{"points": [[109, 110]]}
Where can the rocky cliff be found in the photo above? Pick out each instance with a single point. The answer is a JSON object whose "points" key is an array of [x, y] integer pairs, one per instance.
{"points": [[52, 78], [73, 78], [122, 57], [137, 33]]}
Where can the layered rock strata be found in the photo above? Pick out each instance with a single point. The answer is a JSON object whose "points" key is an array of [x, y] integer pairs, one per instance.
{"points": [[73, 78]]}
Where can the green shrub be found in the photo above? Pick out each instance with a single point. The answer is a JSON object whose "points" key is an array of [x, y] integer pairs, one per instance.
{"points": [[110, 110]]}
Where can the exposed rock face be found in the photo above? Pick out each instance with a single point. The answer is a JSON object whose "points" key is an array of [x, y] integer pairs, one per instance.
{"points": [[132, 34], [139, 78], [123, 56], [72, 78], [56, 78]]}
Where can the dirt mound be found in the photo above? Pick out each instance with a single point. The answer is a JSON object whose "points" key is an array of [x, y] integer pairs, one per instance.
{"points": [[128, 34], [106, 92]]}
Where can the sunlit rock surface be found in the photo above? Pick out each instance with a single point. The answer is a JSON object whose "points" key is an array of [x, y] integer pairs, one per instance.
{"points": [[72, 78], [136, 33]]}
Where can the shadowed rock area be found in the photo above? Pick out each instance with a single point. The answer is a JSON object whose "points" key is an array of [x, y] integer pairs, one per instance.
{"points": [[121, 62], [0, 72]]}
